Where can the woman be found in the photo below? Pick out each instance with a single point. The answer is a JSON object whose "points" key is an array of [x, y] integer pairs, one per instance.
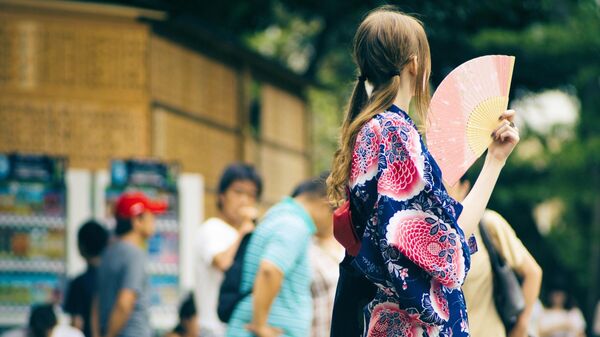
{"points": [[413, 249]]}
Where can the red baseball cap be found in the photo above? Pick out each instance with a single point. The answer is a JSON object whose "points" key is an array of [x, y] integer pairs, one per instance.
{"points": [[132, 204]]}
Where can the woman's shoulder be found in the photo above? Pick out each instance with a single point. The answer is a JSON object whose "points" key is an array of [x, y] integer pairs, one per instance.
{"points": [[388, 116], [369, 133], [391, 122]]}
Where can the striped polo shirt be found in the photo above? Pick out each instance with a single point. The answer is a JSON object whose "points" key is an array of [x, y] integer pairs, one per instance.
{"points": [[283, 238]]}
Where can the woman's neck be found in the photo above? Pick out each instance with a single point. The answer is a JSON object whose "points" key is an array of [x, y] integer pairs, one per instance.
{"points": [[406, 90], [403, 102]]}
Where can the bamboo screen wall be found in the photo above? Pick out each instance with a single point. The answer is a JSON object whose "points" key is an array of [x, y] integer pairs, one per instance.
{"points": [[96, 87], [283, 151], [194, 83], [73, 87], [199, 148]]}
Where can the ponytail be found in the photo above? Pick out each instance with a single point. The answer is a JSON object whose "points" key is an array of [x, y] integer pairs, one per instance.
{"points": [[361, 109], [384, 43]]}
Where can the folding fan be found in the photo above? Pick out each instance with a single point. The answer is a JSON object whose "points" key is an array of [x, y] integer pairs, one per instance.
{"points": [[464, 111]]}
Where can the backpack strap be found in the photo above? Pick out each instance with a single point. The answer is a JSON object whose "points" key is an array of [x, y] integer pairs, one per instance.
{"points": [[495, 257]]}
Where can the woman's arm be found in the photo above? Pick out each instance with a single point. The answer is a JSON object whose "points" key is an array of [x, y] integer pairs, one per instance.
{"points": [[505, 138], [476, 201]]}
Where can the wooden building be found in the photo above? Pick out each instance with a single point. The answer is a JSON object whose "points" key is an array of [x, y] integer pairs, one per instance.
{"points": [[95, 82]]}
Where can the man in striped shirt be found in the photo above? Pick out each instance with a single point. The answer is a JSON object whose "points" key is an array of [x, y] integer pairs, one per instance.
{"points": [[277, 268]]}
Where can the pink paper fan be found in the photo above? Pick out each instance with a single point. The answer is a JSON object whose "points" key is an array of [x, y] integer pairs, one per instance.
{"points": [[464, 112]]}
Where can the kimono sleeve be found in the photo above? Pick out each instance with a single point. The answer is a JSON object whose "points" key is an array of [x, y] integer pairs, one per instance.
{"points": [[410, 214]]}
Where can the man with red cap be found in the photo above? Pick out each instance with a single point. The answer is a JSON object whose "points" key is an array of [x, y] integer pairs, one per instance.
{"points": [[121, 305]]}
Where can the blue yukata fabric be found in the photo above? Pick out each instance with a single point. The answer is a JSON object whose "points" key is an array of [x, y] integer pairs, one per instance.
{"points": [[412, 249]]}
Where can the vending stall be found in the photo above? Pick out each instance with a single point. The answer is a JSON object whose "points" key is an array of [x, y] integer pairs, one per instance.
{"points": [[33, 231], [42, 206], [168, 250]]}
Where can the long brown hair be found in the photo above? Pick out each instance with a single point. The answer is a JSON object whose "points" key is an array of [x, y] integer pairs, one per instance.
{"points": [[385, 42]]}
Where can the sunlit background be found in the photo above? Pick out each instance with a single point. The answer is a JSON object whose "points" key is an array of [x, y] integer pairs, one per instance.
{"points": [[196, 84]]}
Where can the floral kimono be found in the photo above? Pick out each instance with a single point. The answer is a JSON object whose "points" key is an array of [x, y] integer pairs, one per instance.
{"points": [[412, 248]]}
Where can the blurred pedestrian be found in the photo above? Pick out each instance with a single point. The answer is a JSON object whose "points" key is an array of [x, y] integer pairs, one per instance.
{"points": [[92, 238], [276, 270], [484, 319], [561, 318], [538, 310], [412, 247], [121, 304], [43, 322], [218, 240], [188, 320], [325, 255]]}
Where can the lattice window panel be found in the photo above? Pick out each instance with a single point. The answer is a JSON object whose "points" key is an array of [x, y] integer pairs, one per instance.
{"points": [[73, 57], [89, 134]]}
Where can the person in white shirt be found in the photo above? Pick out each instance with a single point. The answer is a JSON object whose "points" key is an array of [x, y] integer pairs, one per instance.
{"points": [[218, 239], [561, 319]]}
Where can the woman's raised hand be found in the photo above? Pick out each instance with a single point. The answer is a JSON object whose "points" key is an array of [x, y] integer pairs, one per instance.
{"points": [[505, 137]]}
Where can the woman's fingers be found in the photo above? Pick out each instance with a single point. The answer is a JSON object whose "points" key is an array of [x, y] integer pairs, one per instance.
{"points": [[508, 115], [501, 128], [506, 131], [510, 136]]}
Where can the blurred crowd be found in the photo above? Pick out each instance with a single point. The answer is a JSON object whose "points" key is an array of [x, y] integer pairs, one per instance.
{"points": [[272, 274]]}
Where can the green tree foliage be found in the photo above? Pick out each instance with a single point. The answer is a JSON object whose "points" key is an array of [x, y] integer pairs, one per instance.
{"points": [[562, 53]]}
